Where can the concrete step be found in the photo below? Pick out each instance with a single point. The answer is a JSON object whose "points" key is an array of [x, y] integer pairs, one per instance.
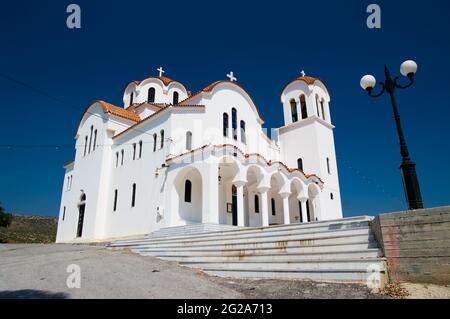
{"points": [[256, 239], [212, 251], [341, 265], [356, 222], [319, 276], [278, 257]]}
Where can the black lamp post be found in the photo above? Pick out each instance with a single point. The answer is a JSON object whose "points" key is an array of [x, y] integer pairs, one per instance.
{"points": [[408, 168]]}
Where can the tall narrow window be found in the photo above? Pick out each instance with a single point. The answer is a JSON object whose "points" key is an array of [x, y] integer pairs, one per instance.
{"points": [[133, 196], [151, 95], [64, 213], [117, 159], [90, 139], [317, 105], [294, 111], [175, 98], [274, 209], [134, 151], [328, 166], [256, 204], [323, 110], [162, 139], [116, 192], [303, 107], [225, 124], [300, 164], [95, 140], [234, 123], [154, 142], [85, 144], [140, 149], [121, 162], [331, 196], [188, 191], [300, 211], [68, 183], [189, 141], [131, 98], [243, 137]]}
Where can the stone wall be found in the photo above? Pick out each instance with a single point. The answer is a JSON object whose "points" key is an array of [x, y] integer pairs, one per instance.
{"points": [[416, 244]]}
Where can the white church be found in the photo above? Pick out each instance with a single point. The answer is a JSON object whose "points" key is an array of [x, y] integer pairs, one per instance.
{"points": [[171, 158]]}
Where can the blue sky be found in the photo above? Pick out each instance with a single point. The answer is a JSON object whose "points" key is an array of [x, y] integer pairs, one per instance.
{"points": [[49, 74]]}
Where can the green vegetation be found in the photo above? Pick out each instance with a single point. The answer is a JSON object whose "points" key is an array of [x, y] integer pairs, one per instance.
{"points": [[29, 229], [5, 218]]}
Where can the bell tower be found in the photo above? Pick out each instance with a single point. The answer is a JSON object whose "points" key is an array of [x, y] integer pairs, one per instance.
{"points": [[307, 140]]}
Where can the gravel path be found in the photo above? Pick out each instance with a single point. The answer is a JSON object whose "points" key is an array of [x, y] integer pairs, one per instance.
{"points": [[40, 271]]}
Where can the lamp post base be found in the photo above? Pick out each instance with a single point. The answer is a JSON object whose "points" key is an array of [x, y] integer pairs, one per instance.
{"points": [[411, 185]]}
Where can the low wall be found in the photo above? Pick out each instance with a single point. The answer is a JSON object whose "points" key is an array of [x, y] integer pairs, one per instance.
{"points": [[416, 244]]}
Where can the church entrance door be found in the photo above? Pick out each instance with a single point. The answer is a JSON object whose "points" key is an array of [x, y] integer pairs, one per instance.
{"points": [[234, 204], [81, 210]]}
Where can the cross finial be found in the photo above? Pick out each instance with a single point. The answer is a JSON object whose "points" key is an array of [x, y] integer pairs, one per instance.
{"points": [[161, 71], [231, 77], [303, 73]]}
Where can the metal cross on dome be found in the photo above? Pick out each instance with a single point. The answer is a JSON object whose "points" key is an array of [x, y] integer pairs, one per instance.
{"points": [[231, 77], [161, 71], [303, 73]]}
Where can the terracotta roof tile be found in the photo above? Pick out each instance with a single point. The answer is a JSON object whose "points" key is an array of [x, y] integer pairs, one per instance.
{"points": [[118, 111]]}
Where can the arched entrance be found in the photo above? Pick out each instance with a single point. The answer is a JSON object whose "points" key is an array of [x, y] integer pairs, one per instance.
{"points": [[189, 189], [81, 210], [234, 205]]}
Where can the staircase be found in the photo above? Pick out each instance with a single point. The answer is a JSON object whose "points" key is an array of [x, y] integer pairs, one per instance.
{"points": [[341, 250]]}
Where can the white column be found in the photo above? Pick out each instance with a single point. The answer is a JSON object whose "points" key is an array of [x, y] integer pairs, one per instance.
{"points": [[264, 207], [210, 196], [286, 217], [240, 205], [304, 211]]}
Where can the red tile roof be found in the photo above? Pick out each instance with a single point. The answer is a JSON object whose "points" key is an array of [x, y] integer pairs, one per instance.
{"points": [[118, 111]]}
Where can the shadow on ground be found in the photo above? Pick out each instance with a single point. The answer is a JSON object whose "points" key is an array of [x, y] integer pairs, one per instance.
{"points": [[32, 294]]}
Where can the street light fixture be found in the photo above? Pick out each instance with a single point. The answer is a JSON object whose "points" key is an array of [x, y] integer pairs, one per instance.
{"points": [[408, 168]]}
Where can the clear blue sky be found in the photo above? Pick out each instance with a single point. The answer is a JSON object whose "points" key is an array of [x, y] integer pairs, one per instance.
{"points": [[266, 44]]}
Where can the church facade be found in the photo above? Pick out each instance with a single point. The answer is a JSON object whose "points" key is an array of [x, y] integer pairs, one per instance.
{"points": [[171, 158]]}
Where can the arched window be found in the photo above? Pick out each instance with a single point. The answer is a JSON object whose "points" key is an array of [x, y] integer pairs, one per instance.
{"points": [[303, 107], [95, 139], [274, 209], [189, 141], [294, 111], [90, 139], [154, 142], [175, 98], [83, 197], [300, 164], [68, 183], [151, 95], [243, 137], [133, 196], [256, 204], [317, 105], [332, 196], [328, 166], [64, 213], [225, 124], [117, 159], [234, 123], [323, 110], [123, 153], [188, 191], [134, 151], [131, 98], [162, 139], [85, 145], [116, 192], [140, 149]]}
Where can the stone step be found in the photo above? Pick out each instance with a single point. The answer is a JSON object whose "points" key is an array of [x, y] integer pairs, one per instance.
{"points": [[347, 265], [212, 251], [263, 243], [279, 257], [312, 227], [318, 276], [256, 238]]}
